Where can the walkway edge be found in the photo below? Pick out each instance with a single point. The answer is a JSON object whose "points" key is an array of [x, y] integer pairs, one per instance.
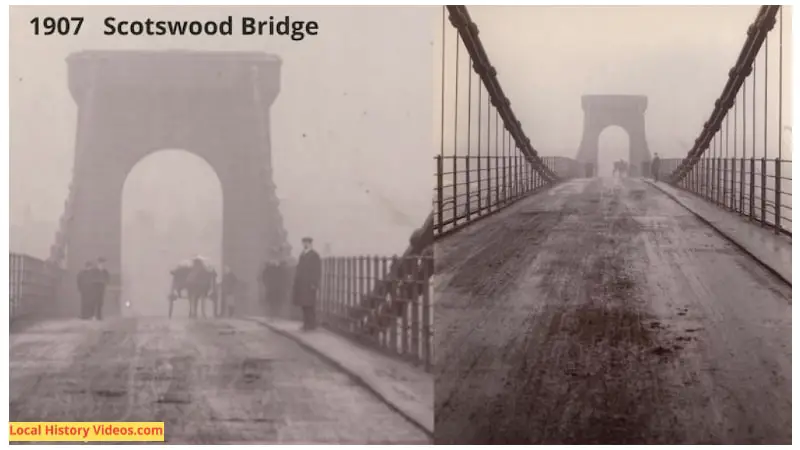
{"points": [[385, 394], [774, 261]]}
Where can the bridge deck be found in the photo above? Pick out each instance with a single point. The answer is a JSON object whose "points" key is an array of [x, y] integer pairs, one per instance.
{"points": [[603, 312], [220, 381]]}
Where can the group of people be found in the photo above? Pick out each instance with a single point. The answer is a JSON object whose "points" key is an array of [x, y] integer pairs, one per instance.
{"points": [[274, 277], [622, 168], [92, 282], [94, 278]]}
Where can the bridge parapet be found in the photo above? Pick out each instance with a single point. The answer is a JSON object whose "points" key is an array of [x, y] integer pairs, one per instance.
{"points": [[383, 302], [33, 284]]}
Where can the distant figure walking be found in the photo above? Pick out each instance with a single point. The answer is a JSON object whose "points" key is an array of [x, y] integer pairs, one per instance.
{"points": [[306, 284], [589, 169], [97, 281], [655, 167], [620, 168], [201, 285], [228, 292], [84, 289]]}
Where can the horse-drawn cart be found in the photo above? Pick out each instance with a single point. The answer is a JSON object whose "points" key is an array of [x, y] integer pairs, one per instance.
{"points": [[195, 280]]}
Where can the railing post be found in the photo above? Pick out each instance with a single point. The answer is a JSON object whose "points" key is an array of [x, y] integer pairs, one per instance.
{"points": [[742, 173], [752, 188], [724, 202], [406, 297], [439, 193], [489, 183], [469, 190], [455, 190], [427, 323], [763, 191], [394, 296], [719, 185], [777, 195], [733, 184], [416, 293], [480, 185], [497, 181], [505, 179]]}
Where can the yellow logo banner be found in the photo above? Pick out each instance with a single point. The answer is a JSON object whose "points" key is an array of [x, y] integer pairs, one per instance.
{"points": [[86, 431]]}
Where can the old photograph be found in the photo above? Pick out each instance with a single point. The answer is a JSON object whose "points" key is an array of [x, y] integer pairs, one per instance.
{"points": [[220, 224], [612, 225]]}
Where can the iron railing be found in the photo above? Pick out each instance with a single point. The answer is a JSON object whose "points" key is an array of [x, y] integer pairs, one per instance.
{"points": [[755, 188], [32, 286], [348, 299], [739, 161], [486, 161], [471, 186]]}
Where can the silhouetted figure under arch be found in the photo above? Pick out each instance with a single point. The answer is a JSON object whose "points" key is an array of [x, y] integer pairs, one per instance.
{"points": [[589, 168]]}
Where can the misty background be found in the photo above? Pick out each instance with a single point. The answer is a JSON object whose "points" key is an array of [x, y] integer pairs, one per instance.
{"points": [[547, 57], [351, 128]]}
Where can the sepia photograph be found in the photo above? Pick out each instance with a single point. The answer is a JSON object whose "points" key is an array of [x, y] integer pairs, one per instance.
{"points": [[220, 224], [612, 225]]}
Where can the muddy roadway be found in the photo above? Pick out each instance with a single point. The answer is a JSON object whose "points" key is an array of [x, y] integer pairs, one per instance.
{"points": [[602, 312], [211, 381]]}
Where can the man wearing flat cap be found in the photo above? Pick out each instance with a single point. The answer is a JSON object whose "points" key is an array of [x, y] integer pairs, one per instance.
{"points": [[306, 283]]}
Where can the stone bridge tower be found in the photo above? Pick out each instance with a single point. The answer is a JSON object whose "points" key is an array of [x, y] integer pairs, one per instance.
{"points": [[215, 105], [625, 111]]}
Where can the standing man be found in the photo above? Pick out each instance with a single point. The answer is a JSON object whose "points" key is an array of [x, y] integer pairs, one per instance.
{"points": [[589, 170], [272, 279], [228, 292], [98, 279], [306, 284], [84, 289], [654, 167]]}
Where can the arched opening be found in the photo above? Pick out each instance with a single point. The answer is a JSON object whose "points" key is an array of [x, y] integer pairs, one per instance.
{"points": [[613, 144], [171, 211]]}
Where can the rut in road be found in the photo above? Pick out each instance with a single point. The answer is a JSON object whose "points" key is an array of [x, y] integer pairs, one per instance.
{"points": [[561, 322], [217, 381]]}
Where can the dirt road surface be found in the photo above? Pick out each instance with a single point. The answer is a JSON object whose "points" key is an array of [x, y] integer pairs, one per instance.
{"points": [[602, 312], [210, 381]]}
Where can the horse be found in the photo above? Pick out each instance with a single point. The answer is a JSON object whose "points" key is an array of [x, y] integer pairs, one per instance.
{"points": [[199, 282]]}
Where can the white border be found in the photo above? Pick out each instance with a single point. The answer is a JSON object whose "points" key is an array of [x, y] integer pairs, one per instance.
{"points": [[5, 183]]}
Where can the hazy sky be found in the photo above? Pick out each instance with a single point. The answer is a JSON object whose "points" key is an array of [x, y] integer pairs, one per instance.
{"points": [[548, 57], [351, 127]]}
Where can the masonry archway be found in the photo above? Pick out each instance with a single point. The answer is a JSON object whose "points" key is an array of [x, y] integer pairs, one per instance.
{"points": [[171, 210], [613, 144], [212, 104], [624, 111]]}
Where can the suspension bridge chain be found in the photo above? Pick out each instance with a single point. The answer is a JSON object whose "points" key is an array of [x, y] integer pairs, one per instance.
{"points": [[576, 309], [486, 161], [740, 159]]}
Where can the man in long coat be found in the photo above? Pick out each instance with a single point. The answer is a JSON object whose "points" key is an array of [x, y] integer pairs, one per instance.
{"points": [[655, 167], [306, 283], [84, 289], [97, 281], [228, 288]]}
